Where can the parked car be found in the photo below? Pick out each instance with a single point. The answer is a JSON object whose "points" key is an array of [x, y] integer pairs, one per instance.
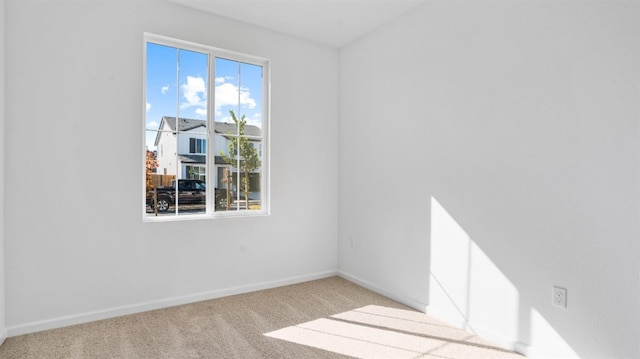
{"points": [[190, 191]]}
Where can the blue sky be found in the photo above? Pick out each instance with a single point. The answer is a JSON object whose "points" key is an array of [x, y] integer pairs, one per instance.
{"points": [[238, 86]]}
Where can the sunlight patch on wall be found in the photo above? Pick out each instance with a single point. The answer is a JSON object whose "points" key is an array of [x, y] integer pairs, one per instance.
{"points": [[545, 342], [465, 285]]}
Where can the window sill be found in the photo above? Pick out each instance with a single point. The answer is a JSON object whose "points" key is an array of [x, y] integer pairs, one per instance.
{"points": [[203, 216]]}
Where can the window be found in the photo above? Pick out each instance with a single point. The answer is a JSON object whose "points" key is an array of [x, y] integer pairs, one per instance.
{"points": [[196, 172], [206, 130], [197, 145]]}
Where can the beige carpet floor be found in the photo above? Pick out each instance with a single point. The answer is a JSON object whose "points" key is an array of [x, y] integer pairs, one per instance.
{"points": [[327, 318]]}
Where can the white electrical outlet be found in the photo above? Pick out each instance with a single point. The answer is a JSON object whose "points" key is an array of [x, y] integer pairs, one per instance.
{"points": [[560, 296]]}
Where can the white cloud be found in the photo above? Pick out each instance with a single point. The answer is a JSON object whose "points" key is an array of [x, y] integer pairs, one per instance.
{"points": [[152, 124], [165, 89], [148, 107], [255, 120], [195, 92], [221, 80], [195, 95], [227, 94]]}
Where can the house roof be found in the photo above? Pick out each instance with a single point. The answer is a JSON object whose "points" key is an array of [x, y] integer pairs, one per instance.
{"points": [[199, 159], [191, 158], [225, 127], [184, 124], [187, 124]]}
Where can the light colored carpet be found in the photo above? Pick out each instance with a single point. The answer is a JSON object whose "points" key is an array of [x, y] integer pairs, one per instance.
{"points": [[328, 318]]}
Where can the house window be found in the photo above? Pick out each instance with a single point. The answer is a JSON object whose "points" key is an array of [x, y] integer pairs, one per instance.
{"points": [[206, 115], [197, 145], [196, 172]]}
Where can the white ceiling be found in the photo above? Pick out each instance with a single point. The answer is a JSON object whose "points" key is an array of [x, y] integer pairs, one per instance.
{"points": [[331, 22]]}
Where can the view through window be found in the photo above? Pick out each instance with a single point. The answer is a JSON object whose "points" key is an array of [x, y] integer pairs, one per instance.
{"points": [[205, 130]]}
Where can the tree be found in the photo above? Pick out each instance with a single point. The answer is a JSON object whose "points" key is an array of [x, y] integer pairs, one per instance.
{"points": [[150, 166], [242, 155]]}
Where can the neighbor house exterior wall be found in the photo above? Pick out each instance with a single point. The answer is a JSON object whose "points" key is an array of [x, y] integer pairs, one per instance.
{"points": [[167, 148], [183, 141], [77, 247], [515, 129]]}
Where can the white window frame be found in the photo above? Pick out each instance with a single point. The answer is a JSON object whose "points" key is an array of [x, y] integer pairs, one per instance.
{"points": [[213, 53]]}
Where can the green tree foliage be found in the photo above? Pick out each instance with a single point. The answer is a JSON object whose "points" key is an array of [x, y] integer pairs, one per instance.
{"points": [[242, 155]]}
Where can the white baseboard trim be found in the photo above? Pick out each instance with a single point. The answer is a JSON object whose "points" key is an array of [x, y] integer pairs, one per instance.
{"points": [[415, 304], [523, 348], [447, 317], [441, 315], [496, 338], [471, 327], [3, 336], [156, 304]]}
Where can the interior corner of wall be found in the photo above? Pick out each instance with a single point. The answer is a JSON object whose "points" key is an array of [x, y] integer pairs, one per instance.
{"points": [[3, 335]]}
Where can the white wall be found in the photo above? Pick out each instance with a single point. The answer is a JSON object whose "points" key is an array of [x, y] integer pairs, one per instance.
{"points": [[514, 168], [3, 331], [77, 247]]}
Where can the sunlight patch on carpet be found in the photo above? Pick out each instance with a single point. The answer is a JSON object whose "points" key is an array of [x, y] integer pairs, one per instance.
{"points": [[353, 340], [382, 332]]}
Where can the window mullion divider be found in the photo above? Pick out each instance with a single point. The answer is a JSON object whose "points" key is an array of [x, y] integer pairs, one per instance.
{"points": [[210, 159], [177, 178], [239, 118]]}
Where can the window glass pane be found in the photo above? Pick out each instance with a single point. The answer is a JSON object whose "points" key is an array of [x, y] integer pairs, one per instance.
{"points": [[151, 166], [225, 188], [253, 181], [255, 196], [161, 100], [193, 90], [176, 124], [227, 175], [160, 70], [227, 95], [161, 88], [249, 172], [251, 94], [160, 195], [192, 128], [238, 127]]}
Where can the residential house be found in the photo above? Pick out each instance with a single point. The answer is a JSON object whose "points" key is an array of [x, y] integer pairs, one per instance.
{"points": [[181, 150]]}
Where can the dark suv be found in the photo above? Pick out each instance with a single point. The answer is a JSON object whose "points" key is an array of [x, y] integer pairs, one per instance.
{"points": [[190, 191]]}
